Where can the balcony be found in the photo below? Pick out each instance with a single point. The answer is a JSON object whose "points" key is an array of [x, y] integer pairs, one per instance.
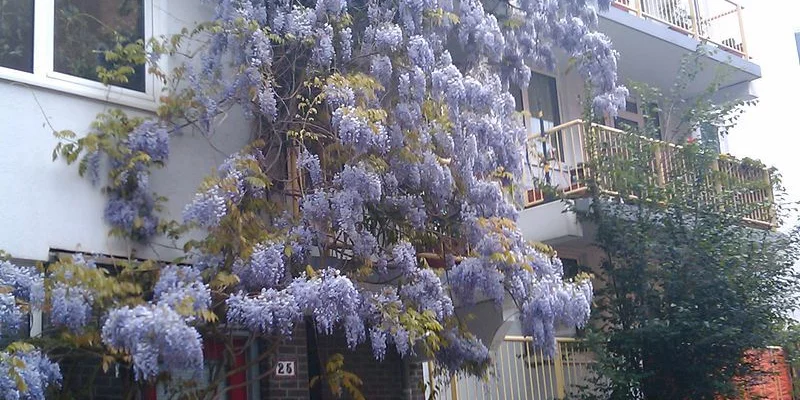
{"points": [[560, 160], [716, 21], [652, 38], [522, 371]]}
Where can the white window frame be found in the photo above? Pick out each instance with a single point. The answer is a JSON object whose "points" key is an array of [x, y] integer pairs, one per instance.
{"points": [[45, 76]]}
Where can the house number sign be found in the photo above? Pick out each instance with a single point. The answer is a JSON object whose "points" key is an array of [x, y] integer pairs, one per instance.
{"points": [[285, 368]]}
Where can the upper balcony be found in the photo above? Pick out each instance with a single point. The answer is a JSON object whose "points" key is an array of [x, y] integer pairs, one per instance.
{"points": [[652, 36], [561, 160], [719, 22]]}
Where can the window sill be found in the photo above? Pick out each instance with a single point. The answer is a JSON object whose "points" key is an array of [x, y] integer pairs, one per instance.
{"points": [[84, 88]]}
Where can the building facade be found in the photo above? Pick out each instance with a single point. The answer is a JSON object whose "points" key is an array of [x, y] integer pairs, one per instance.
{"points": [[48, 83]]}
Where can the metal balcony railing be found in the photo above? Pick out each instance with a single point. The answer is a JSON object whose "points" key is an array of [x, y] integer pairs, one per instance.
{"points": [[521, 372], [560, 160], [716, 21]]}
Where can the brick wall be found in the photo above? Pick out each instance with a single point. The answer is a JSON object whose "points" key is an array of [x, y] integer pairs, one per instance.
{"points": [[383, 380], [290, 388], [83, 378], [416, 380]]}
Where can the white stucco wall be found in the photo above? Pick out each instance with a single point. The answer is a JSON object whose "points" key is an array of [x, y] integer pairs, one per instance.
{"points": [[45, 204]]}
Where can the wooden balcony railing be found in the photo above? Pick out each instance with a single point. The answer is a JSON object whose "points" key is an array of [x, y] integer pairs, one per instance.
{"points": [[716, 21], [560, 159]]}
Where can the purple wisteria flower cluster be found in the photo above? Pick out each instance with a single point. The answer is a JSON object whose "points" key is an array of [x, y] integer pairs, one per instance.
{"points": [[329, 297], [25, 374], [264, 269], [182, 288], [462, 350], [18, 284], [156, 337], [72, 298], [226, 190], [159, 335], [132, 206]]}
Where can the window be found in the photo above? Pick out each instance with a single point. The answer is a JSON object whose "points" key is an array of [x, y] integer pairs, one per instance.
{"points": [[86, 28], [572, 267], [241, 384], [639, 118], [631, 107], [626, 124], [709, 134], [543, 106], [543, 103], [16, 34], [629, 119], [59, 44]]}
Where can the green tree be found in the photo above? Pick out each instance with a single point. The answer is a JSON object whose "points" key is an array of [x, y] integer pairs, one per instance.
{"points": [[688, 284]]}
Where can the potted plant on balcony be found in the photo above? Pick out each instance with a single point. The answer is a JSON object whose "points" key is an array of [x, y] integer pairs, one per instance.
{"points": [[542, 192]]}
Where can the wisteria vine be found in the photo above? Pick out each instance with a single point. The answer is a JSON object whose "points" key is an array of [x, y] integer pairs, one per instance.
{"points": [[377, 197]]}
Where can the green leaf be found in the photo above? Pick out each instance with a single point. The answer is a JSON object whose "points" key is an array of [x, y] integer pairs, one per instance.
{"points": [[65, 134], [256, 182]]}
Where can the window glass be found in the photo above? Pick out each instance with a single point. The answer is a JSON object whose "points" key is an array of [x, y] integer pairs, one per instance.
{"points": [[572, 268], [16, 34], [631, 107], [709, 134], [626, 124], [517, 93], [543, 102], [186, 383], [84, 29], [652, 120]]}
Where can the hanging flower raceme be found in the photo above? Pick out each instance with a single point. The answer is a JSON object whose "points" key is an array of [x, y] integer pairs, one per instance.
{"points": [[424, 289], [228, 189], [462, 351], [18, 284], [10, 314], [473, 277], [137, 147], [156, 337], [380, 310], [25, 373], [329, 297], [271, 311], [72, 295], [264, 269], [181, 288]]}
